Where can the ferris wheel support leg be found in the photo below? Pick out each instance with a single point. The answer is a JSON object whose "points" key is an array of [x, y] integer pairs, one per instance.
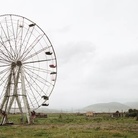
{"points": [[20, 108], [4, 112], [27, 109], [5, 101], [15, 79], [26, 105], [4, 119], [15, 95]]}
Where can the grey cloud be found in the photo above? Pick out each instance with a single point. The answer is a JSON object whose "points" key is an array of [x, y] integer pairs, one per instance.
{"points": [[76, 52]]}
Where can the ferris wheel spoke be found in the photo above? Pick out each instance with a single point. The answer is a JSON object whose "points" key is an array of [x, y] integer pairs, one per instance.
{"points": [[4, 65], [25, 37], [39, 77], [7, 51], [19, 35], [2, 60], [37, 69], [8, 38], [36, 53], [3, 78], [5, 73], [42, 79], [6, 57], [3, 81], [21, 26], [24, 40], [13, 32], [16, 38], [2, 94], [34, 80], [36, 77], [26, 45], [31, 46], [30, 87], [37, 61], [33, 95], [1, 72], [30, 101]]}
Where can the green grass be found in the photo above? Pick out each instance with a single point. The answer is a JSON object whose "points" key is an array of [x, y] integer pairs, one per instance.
{"points": [[72, 126]]}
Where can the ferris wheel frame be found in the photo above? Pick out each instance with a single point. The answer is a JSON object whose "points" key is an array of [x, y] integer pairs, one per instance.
{"points": [[28, 66]]}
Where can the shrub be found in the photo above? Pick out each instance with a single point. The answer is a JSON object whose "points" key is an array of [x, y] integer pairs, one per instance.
{"points": [[132, 113]]}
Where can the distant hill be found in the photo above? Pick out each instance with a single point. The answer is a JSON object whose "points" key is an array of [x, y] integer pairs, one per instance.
{"points": [[100, 107], [47, 110], [133, 105], [107, 107]]}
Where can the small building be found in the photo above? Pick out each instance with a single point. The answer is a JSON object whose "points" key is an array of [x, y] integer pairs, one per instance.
{"points": [[89, 114], [41, 115], [116, 114]]}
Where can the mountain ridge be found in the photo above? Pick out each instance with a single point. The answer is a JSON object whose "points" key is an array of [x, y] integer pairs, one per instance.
{"points": [[110, 107], [99, 107]]}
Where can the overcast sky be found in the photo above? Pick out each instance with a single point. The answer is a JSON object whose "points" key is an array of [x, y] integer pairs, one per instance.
{"points": [[96, 44]]}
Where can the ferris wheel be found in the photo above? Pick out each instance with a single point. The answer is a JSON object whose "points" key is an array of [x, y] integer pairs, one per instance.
{"points": [[28, 66]]}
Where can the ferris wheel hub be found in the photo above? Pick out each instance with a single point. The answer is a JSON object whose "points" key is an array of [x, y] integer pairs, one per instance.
{"points": [[18, 63], [13, 64]]}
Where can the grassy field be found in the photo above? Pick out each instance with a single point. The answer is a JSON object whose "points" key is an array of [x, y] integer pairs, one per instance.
{"points": [[72, 126]]}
